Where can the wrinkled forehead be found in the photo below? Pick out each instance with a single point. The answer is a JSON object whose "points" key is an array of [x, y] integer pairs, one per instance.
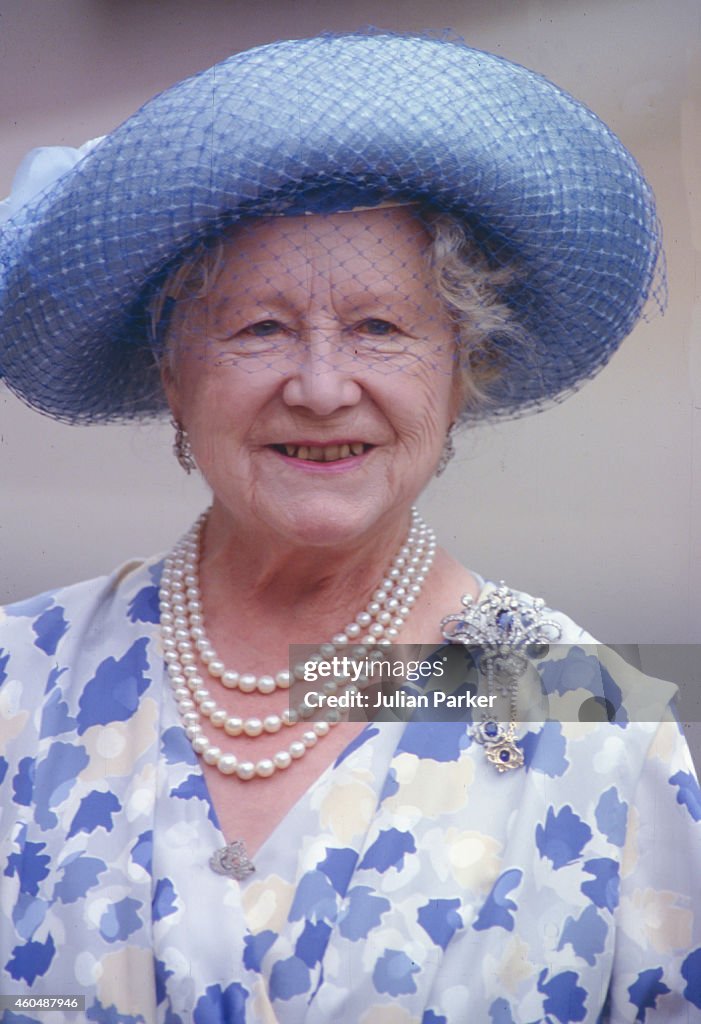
{"points": [[367, 246]]}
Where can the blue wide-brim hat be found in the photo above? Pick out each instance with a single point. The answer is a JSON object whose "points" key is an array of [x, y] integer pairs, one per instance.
{"points": [[328, 124]]}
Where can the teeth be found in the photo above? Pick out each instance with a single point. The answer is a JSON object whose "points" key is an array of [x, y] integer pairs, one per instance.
{"points": [[329, 453]]}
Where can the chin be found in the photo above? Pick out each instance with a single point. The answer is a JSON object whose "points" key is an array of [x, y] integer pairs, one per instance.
{"points": [[326, 522]]}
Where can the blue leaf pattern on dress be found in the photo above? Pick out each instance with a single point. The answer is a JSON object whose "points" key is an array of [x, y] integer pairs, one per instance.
{"points": [[164, 899], [338, 866], [315, 898], [49, 629], [80, 874], [440, 741], [603, 889], [564, 997], [195, 788], [31, 960], [544, 750], [289, 978], [112, 695], [581, 671], [176, 747], [30, 866], [612, 816], [394, 973], [585, 934], [362, 913], [691, 972], [120, 919], [497, 909], [311, 945], [143, 607], [142, 850], [563, 837], [222, 1006], [388, 850], [645, 990], [96, 810], [689, 794], [54, 777], [55, 718], [440, 920], [23, 782], [256, 946]]}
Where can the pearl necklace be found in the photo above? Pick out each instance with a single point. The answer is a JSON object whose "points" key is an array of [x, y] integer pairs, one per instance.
{"points": [[185, 640]]}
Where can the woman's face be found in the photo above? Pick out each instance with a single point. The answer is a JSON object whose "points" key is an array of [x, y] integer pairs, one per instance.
{"points": [[316, 378]]}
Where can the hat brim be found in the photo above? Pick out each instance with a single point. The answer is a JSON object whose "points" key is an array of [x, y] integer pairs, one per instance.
{"points": [[327, 124]]}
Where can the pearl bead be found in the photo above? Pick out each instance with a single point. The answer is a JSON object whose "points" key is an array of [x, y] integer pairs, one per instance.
{"points": [[266, 684], [217, 667], [247, 682], [211, 755], [227, 764], [218, 717], [265, 768], [245, 770], [282, 759], [272, 723], [253, 727], [233, 726], [207, 707], [283, 679], [200, 744], [230, 679], [297, 750]]}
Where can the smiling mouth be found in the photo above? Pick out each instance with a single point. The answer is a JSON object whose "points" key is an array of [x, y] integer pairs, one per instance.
{"points": [[322, 453]]}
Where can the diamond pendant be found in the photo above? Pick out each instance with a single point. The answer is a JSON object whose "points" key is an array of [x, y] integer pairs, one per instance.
{"points": [[232, 860]]}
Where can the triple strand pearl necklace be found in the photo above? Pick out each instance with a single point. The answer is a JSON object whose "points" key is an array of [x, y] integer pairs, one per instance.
{"points": [[185, 642]]}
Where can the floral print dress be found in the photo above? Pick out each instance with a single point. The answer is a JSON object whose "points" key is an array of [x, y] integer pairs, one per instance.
{"points": [[411, 883]]}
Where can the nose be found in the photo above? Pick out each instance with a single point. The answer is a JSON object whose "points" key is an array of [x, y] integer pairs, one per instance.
{"points": [[323, 382]]}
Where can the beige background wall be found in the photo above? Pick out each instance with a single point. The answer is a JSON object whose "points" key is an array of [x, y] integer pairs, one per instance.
{"points": [[595, 504]]}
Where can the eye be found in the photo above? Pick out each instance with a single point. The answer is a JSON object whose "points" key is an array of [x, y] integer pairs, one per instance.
{"points": [[376, 327], [264, 328]]}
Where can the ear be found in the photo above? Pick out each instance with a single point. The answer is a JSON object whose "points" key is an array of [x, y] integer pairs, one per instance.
{"points": [[169, 383], [457, 393]]}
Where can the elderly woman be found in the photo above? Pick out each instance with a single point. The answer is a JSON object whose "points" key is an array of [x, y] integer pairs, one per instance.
{"points": [[321, 256]]}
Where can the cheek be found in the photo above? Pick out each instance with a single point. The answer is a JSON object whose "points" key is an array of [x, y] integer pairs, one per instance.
{"points": [[422, 409]]}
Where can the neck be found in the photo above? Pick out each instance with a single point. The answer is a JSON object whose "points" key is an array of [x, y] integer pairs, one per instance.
{"points": [[280, 592]]}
